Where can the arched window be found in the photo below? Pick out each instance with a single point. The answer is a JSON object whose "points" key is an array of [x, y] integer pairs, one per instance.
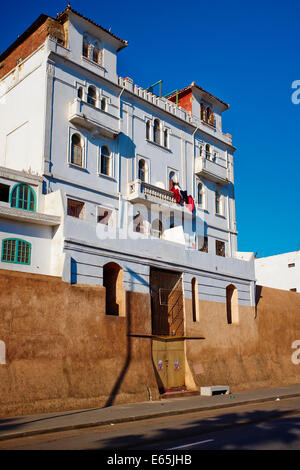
{"points": [[171, 179], [166, 138], [113, 283], [218, 202], [142, 170], [85, 48], [138, 223], [148, 130], [76, 150], [207, 151], [157, 228], [16, 251], [232, 305], [105, 163], [207, 113], [23, 197], [156, 131], [96, 54], [80, 93], [200, 195], [195, 301], [92, 95]]}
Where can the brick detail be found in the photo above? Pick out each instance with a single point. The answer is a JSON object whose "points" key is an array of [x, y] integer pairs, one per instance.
{"points": [[49, 28]]}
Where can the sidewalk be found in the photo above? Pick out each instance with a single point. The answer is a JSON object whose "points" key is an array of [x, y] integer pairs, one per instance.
{"points": [[30, 425]]}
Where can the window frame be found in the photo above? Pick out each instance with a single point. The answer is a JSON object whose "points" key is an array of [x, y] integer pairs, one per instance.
{"points": [[110, 158], [16, 253], [31, 191]]}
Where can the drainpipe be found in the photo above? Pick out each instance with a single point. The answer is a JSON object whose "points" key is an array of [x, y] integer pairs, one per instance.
{"points": [[194, 194]]}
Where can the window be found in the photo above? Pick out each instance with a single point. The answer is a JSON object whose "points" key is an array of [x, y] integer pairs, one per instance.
{"points": [[157, 228], [103, 104], [195, 301], [113, 283], [207, 151], [172, 219], [166, 138], [218, 202], [142, 170], [96, 54], [23, 197], [4, 192], [105, 216], [76, 150], [148, 130], [75, 208], [80, 93], [105, 161], [92, 95], [200, 195], [85, 48], [232, 305], [16, 251], [203, 244], [139, 223], [207, 114], [156, 131], [171, 179], [220, 248]]}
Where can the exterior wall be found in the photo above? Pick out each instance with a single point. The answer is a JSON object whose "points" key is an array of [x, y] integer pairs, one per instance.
{"points": [[62, 352], [256, 352], [21, 119], [273, 271], [42, 227]]}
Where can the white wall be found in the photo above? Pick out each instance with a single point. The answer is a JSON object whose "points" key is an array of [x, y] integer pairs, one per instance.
{"points": [[273, 271]]}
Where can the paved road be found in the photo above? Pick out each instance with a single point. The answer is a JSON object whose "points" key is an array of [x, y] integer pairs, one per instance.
{"points": [[273, 425]]}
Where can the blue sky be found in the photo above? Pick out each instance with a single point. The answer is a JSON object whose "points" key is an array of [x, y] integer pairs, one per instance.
{"points": [[247, 55]]}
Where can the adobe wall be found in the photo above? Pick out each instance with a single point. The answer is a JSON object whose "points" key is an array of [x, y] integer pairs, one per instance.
{"points": [[254, 353], [63, 352]]}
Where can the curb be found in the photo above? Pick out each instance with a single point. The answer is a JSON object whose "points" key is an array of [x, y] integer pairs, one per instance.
{"points": [[128, 419]]}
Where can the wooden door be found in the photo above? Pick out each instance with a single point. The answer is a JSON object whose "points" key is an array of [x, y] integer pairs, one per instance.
{"points": [[166, 303], [168, 358]]}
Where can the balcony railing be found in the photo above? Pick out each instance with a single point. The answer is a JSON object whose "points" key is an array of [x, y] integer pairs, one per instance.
{"points": [[90, 117], [211, 170], [139, 191]]}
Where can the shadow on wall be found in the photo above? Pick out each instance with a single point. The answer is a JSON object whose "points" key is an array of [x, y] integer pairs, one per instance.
{"points": [[118, 383], [73, 271]]}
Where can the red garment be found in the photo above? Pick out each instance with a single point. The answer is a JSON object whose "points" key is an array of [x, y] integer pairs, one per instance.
{"points": [[176, 194], [191, 204]]}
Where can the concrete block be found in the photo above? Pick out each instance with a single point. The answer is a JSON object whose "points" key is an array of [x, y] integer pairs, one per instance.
{"points": [[214, 390]]}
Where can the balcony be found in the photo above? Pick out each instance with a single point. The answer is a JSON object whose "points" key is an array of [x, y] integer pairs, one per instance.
{"points": [[140, 192], [211, 170], [92, 118], [23, 216]]}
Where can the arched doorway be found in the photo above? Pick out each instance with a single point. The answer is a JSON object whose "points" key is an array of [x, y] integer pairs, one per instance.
{"points": [[113, 283]]}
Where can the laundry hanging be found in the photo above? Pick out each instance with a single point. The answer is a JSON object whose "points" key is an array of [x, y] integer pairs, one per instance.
{"points": [[181, 197]]}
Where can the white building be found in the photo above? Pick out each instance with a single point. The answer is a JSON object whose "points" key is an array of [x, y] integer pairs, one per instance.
{"points": [[86, 160], [279, 271]]}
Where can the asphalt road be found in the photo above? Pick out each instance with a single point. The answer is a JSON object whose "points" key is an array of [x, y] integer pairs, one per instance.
{"points": [[266, 426]]}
